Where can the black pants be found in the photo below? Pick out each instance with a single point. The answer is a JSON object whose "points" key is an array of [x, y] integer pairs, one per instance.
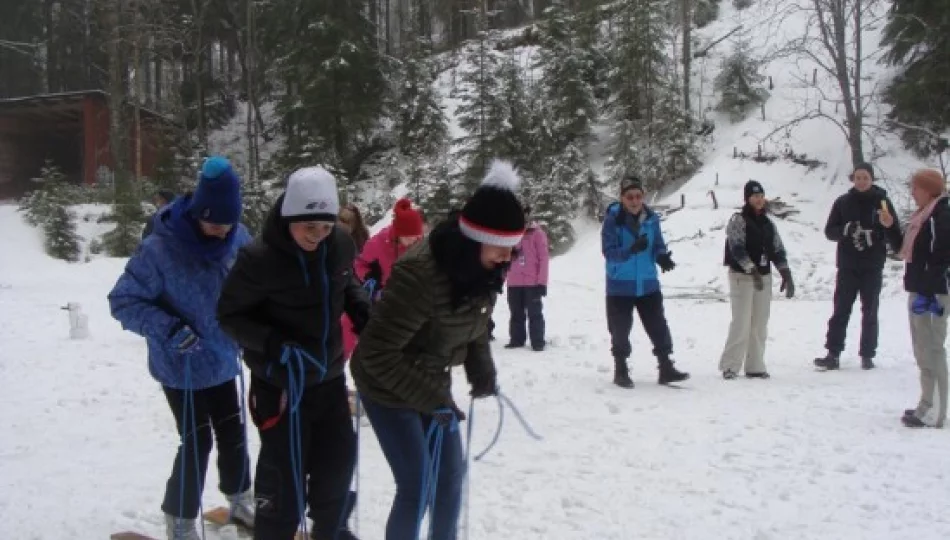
{"points": [[217, 410], [524, 301], [328, 457], [849, 285], [620, 323]]}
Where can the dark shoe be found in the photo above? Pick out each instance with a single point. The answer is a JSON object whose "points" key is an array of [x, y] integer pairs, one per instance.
{"points": [[539, 347], [622, 373], [344, 534], [669, 373], [762, 375], [867, 362], [910, 412], [828, 363], [912, 421], [728, 375], [512, 345]]}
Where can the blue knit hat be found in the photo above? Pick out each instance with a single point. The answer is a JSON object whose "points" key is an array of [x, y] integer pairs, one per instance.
{"points": [[217, 199]]}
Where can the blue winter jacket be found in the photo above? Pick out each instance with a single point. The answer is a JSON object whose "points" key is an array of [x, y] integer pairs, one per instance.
{"points": [[175, 278], [629, 274]]}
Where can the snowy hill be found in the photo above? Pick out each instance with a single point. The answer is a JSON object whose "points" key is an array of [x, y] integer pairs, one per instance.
{"points": [[89, 440]]}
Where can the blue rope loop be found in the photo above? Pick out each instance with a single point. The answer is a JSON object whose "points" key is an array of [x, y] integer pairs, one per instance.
{"points": [[189, 426], [505, 401], [435, 437]]}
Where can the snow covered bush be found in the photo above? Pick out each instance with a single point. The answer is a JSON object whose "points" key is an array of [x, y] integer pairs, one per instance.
{"points": [[740, 84]]}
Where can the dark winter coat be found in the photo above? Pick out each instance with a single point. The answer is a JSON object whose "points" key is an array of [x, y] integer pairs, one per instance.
{"points": [[930, 262], [855, 206], [420, 329], [752, 241], [277, 293], [171, 281]]}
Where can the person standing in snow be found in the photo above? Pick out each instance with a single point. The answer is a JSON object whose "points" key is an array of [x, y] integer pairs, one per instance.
{"points": [[527, 283], [283, 302], [351, 217], [926, 252], [633, 246], [434, 316], [855, 225], [162, 199], [168, 294], [753, 246], [376, 260]]}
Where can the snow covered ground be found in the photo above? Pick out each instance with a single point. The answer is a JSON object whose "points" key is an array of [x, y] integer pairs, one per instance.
{"points": [[89, 440]]}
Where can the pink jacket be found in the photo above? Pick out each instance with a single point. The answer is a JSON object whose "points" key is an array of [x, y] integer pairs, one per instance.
{"points": [[530, 268], [384, 248]]}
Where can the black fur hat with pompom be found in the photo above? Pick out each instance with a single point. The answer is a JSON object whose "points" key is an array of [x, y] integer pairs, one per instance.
{"points": [[494, 215]]}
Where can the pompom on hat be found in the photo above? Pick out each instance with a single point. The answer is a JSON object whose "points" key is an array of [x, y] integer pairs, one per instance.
{"points": [[217, 198], [494, 215], [407, 221]]}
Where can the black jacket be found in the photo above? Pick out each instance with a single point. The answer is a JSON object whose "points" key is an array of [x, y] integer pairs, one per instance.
{"points": [[862, 208], [752, 241], [930, 259], [276, 293]]}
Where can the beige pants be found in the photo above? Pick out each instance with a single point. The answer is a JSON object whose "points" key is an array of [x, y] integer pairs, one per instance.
{"points": [[928, 334], [749, 327]]}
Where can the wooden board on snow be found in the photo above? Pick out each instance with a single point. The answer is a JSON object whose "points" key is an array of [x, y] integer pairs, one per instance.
{"points": [[129, 535], [220, 515]]}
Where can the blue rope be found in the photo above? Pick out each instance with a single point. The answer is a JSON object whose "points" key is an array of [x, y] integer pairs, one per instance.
{"points": [[189, 423], [435, 437], [503, 401]]}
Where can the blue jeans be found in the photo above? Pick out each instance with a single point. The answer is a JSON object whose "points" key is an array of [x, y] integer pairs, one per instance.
{"points": [[402, 437]]}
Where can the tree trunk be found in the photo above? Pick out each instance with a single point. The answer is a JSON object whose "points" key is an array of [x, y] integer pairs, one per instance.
{"points": [[50, 64], [835, 39], [137, 95], [687, 14]]}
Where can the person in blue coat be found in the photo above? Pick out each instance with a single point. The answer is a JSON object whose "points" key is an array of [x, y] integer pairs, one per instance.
{"points": [[168, 294], [633, 246]]}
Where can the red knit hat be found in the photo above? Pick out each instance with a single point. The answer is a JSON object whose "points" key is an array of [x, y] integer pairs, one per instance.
{"points": [[406, 221]]}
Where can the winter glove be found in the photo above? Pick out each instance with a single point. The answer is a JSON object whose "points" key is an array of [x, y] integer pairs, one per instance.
{"points": [[543, 290], [926, 303], [757, 282], [639, 245], [861, 238], [788, 285], [849, 228], [484, 387], [184, 340], [375, 273], [665, 261]]}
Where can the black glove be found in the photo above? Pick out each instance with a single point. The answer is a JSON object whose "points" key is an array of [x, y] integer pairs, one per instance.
{"points": [[639, 245], [485, 386], [861, 238], [375, 273], [543, 290], [757, 279], [665, 262], [788, 286]]}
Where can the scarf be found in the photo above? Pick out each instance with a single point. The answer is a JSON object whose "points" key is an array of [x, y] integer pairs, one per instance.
{"points": [[913, 228]]}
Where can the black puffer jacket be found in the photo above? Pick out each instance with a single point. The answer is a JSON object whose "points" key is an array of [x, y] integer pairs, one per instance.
{"points": [[276, 292], [855, 206], [926, 273]]}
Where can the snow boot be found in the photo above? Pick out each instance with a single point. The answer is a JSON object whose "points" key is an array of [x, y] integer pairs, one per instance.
{"points": [[760, 375], [177, 528], [729, 375], [622, 373], [912, 421], [512, 345], [343, 534], [867, 362], [828, 363], [669, 373], [242, 508]]}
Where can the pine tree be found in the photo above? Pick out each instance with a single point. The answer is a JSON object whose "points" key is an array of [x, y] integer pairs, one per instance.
{"points": [[568, 95], [652, 136], [482, 113], [38, 205], [61, 240], [741, 84], [333, 75], [48, 207], [555, 202], [129, 219], [917, 36]]}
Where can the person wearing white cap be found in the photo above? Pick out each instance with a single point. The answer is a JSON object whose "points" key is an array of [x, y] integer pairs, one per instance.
{"points": [[283, 302]]}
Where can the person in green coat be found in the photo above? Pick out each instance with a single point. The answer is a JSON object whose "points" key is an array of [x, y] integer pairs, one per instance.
{"points": [[433, 316]]}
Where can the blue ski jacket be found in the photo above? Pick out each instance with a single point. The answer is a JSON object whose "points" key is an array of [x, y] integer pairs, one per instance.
{"points": [[630, 274]]}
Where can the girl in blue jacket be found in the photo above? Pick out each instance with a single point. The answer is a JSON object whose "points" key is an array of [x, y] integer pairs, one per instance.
{"points": [[168, 294]]}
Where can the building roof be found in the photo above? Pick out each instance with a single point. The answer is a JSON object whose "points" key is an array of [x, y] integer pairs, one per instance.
{"points": [[62, 103]]}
